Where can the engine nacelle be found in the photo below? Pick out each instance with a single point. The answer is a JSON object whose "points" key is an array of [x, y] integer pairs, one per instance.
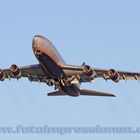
{"points": [[15, 70], [113, 75], [87, 70], [2, 75]]}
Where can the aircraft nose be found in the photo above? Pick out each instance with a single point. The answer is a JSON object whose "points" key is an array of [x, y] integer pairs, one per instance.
{"points": [[35, 39], [35, 42]]}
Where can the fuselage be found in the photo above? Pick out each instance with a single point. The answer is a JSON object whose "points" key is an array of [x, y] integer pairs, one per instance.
{"points": [[52, 63]]}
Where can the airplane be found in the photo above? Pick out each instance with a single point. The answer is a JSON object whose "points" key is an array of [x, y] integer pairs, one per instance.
{"points": [[65, 79]]}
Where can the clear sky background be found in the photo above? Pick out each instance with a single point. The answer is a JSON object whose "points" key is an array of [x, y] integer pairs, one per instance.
{"points": [[103, 33]]}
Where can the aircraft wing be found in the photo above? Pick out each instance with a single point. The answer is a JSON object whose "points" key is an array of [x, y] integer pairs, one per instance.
{"points": [[123, 75], [32, 72], [108, 74]]}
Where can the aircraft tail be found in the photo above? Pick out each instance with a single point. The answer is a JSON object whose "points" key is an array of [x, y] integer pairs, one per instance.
{"points": [[57, 93], [95, 93], [83, 92]]}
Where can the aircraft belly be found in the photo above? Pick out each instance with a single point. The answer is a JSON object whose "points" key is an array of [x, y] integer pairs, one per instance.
{"points": [[51, 67]]}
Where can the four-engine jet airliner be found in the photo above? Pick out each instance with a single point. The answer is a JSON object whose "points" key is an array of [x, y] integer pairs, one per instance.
{"points": [[65, 78]]}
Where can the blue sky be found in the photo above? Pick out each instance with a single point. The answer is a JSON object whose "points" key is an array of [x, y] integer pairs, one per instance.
{"points": [[104, 34]]}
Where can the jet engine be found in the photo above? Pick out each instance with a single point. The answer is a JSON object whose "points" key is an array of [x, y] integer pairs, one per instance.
{"points": [[113, 75], [15, 70], [2, 75], [87, 70]]}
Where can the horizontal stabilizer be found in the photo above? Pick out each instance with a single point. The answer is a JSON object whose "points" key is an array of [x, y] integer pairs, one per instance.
{"points": [[95, 93], [57, 93]]}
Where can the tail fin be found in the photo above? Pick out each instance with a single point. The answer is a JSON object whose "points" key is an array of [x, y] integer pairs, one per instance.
{"points": [[95, 93], [83, 64]]}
